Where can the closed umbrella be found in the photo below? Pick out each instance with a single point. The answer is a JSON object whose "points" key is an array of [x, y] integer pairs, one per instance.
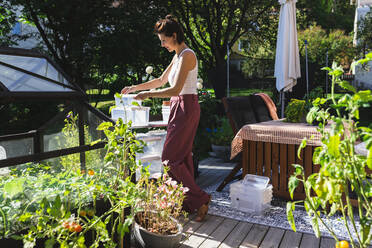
{"points": [[287, 59]]}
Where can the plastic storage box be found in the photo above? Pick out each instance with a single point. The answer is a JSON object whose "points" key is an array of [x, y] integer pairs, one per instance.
{"points": [[252, 194], [165, 111], [155, 165], [154, 143], [126, 100], [118, 112], [138, 115]]}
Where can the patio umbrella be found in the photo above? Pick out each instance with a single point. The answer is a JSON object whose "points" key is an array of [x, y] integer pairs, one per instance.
{"points": [[287, 59]]}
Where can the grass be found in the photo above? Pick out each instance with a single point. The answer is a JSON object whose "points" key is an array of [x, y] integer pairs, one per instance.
{"points": [[96, 91]]}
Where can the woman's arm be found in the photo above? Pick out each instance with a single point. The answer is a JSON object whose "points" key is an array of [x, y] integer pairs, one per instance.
{"points": [[187, 63], [152, 84]]}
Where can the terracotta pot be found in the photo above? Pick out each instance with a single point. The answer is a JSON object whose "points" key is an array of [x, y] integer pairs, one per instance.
{"points": [[147, 239], [166, 103]]}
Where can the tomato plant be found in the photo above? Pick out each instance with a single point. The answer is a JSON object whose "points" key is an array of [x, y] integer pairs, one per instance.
{"points": [[342, 170]]}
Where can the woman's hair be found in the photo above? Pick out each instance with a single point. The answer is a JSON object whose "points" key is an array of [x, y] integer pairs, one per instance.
{"points": [[168, 26]]}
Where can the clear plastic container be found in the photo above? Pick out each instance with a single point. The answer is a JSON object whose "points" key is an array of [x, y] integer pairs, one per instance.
{"points": [[118, 112], [250, 199], [126, 100], [138, 115], [165, 111], [154, 143], [155, 165], [256, 181]]}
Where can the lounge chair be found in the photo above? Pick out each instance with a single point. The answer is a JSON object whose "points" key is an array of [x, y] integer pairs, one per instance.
{"points": [[243, 110]]}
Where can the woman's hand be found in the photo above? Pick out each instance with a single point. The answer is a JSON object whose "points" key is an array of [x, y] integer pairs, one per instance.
{"points": [[128, 89], [142, 95]]}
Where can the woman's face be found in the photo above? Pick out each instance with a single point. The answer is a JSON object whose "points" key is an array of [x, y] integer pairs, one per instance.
{"points": [[168, 42]]}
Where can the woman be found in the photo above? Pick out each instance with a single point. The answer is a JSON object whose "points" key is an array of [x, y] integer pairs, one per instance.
{"points": [[185, 111]]}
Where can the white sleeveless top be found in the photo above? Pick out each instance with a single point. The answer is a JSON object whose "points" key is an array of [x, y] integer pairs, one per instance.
{"points": [[190, 83]]}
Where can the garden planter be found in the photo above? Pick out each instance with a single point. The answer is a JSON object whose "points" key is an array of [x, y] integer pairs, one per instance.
{"points": [[147, 239]]}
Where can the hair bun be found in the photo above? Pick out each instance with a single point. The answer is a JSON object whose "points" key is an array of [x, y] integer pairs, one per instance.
{"points": [[169, 17]]}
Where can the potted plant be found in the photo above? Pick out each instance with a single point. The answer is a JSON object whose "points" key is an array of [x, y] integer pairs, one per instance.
{"points": [[342, 172], [221, 138], [156, 214], [295, 111]]}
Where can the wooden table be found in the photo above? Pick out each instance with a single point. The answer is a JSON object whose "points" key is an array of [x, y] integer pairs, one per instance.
{"points": [[270, 148]]}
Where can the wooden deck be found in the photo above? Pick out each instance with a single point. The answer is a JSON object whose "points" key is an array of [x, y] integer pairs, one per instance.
{"points": [[217, 231]]}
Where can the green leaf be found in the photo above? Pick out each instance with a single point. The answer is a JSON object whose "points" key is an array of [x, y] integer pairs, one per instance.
{"points": [[104, 125], [111, 108], [25, 217], [50, 243], [333, 145], [298, 169], [81, 241], [292, 185], [290, 218], [134, 103], [326, 69], [302, 145], [315, 225], [14, 187], [118, 95], [95, 142], [56, 208], [347, 86], [369, 158]]}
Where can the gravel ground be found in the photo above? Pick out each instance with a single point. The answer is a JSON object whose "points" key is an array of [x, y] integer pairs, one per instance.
{"points": [[274, 216]]}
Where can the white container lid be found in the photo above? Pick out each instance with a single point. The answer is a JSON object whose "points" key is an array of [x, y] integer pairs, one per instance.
{"points": [[255, 181]]}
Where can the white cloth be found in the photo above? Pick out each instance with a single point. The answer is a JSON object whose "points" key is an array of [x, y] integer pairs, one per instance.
{"points": [[191, 80], [287, 59]]}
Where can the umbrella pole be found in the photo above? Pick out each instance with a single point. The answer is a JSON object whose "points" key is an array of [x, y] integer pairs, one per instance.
{"points": [[326, 74], [228, 71], [307, 74], [282, 100]]}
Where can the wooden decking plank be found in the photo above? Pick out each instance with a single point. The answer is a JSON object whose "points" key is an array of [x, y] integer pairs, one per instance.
{"points": [[219, 234], [203, 232], [237, 235], [255, 236], [309, 241], [272, 238], [327, 243], [291, 239]]}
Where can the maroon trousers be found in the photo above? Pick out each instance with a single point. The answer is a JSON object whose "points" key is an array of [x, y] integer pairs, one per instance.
{"points": [[183, 122]]}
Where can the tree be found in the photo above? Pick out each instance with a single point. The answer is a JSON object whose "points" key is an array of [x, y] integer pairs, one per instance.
{"points": [[364, 34], [7, 21], [94, 42], [211, 25], [329, 14]]}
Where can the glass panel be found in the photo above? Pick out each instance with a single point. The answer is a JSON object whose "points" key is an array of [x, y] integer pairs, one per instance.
{"points": [[18, 81], [22, 116], [16, 148], [93, 121], [36, 65], [59, 135]]}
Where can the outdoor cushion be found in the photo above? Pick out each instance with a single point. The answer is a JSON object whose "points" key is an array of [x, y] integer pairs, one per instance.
{"points": [[260, 109], [241, 110]]}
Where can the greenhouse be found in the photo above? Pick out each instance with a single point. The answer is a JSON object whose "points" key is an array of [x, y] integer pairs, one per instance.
{"points": [[30, 78]]}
